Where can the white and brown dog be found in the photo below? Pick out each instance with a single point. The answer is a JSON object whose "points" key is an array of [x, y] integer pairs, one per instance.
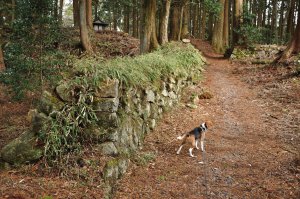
{"points": [[193, 137]]}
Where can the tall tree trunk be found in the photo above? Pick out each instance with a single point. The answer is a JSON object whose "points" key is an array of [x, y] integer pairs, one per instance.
{"points": [[84, 32], [164, 21], [2, 65], [153, 39], [269, 17], [210, 27], [238, 11], [254, 10], [109, 17], [195, 9], [260, 9], [217, 39], [290, 19], [134, 20], [55, 9], [294, 44], [281, 21], [89, 15], [175, 21], [76, 16], [61, 8], [147, 25], [203, 23], [126, 19], [180, 23], [185, 24], [190, 18], [96, 9], [265, 11], [274, 19], [226, 24], [115, 18]]}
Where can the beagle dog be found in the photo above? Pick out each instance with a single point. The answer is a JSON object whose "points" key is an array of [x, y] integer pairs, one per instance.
{"points": [[193, 137]]}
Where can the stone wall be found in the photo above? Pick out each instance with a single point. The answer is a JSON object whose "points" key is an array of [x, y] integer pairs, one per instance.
{"points": [[125, 116]]}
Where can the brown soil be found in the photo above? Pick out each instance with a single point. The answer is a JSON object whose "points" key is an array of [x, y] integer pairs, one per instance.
{"points": [[113, 44], [252, 151], [12, 116]]}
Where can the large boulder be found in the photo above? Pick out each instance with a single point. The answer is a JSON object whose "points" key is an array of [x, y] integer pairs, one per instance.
{"points": [[23, 149]]}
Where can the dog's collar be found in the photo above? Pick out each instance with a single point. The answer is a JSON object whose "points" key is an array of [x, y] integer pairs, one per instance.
{"points": [[203, 127]]}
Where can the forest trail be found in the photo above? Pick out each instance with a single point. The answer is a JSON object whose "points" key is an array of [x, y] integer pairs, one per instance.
{"points": [[245, 154]]}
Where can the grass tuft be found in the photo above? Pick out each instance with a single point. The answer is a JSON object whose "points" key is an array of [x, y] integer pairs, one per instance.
{"points": [[174, 59]]}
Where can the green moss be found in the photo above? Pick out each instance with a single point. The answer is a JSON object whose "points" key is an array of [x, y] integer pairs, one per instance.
{"points": [[112, 163]]}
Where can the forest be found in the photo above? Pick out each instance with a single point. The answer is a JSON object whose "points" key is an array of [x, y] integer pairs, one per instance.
{"points": [[93, 94]]}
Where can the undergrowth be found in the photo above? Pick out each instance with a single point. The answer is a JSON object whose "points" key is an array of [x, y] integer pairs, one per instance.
{"points": [[174, 59], [67, 133]]}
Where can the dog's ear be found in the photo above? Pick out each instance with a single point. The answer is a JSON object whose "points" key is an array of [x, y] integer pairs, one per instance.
{"points": [[209, 124]]}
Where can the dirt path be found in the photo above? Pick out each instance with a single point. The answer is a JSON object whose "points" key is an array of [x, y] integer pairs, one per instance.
{"points": [[245, 157]]}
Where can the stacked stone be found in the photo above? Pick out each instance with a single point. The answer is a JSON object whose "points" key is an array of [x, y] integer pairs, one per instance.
{"points": [[125, 115]]}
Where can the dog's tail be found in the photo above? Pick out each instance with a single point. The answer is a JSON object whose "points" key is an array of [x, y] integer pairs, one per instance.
{"points": [[181, 137]]}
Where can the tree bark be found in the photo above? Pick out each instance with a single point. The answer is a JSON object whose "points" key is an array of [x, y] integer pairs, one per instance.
{"points": [[281, 21], [89, 15], [147, 25], [126, 19], [55, 9], [2, 64], [180, 23], [195, 22], [61, 8], [210, 27], [185, 24], [115, 18], [76, 16], [290, 19], [175, 22], [134, 19], [238, 11], [203, 23], [294, 44], [96, 9], [260, 14], [164, 21], [274, 19], [217, 39], [264, 18], [84, 32], [153, 39], [226, 24], [254, 10]]}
